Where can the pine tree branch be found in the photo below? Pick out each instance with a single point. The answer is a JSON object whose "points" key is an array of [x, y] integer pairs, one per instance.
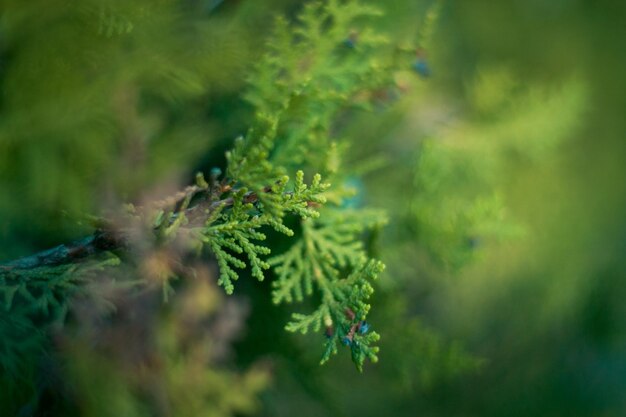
{"points": [[100, 241], [107, 238]]}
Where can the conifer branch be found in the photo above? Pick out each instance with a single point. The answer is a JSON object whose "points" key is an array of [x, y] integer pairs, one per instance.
{"points": [[107, 238], [314, 69]]}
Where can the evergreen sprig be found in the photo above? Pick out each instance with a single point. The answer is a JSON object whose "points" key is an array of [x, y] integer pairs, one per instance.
{"points": [[311, 73], [236, 229], [314, 70], [331, 258]]}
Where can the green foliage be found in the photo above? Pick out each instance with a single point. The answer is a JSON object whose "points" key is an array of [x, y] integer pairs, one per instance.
{"points": [[309, 234], [300, 91], [309, 75], [40, 295], [424, 359], [330, 257], [459, 204], [108, 99], [501, 128], [236, 229]]}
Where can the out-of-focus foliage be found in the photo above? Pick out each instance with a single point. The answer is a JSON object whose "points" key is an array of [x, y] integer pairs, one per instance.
{"points": [[459, 191], [171, 366], [102, 99], [42, 295]]}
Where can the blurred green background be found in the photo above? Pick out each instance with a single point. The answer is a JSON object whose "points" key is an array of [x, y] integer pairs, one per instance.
{"points": [[503, 173]]}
